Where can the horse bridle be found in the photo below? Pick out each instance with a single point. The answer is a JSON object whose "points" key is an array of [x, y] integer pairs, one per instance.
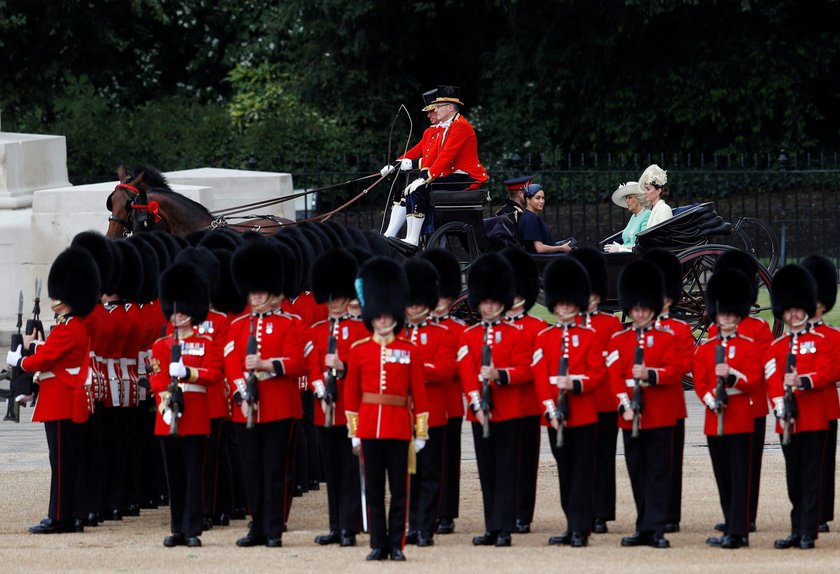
{"points": [[150, 207]]}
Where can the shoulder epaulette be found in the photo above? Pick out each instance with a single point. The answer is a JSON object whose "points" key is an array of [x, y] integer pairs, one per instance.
{"points": [[360, 341]]}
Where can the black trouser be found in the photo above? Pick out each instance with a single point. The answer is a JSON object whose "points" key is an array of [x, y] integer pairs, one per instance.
{"points": [[675, 501], [496, 460], [417, 202], [218, 496], [151, 456], [237, 468], [62, 441], [301, 474], [527, 468], [451, 482], [314, 471], [803, 467], [94, 461], [81, 494], [291, 474], [648, 459], [731, 459], [381, 457], [341, 469], [183, 458], [115, 428], [829, 467], [425, 484], [576, 471], [760, 428], [267, 451], [605, 452], [137, 441]]}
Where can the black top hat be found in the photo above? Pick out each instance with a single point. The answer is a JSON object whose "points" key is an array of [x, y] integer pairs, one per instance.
{"points": [[184, 288], [97, 245], [258, 266], [333, 276], [428, 100], [526, 278], [131, 278], [448, 95], [74, 280], [151, 269], [728, 291], [566, 281], [825, 274], [491, 277], [226, 298], [596, 268], [448, 268], [671, 269], [793, 288], [640, 284], [384, 290], [423, 283]]}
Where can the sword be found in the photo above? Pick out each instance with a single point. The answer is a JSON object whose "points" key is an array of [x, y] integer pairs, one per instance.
{"points": [[364, 496]]}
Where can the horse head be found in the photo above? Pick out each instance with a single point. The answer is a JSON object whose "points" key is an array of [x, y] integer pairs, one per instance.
{"points": [[130, 207]]}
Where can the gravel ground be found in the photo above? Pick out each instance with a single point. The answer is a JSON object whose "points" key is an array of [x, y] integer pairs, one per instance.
{"points": [[135, 543]]}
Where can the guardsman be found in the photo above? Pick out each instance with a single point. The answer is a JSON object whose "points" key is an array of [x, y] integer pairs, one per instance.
{"points": [[799, 364], [605, 325], [61, 364], [568, 367], [825, 274], [182, 377], [759, 330], [333, 279], [527, 287], [643, 363], [436, 347], [449, 272], [684, 339], [420, 156], [385, 403], [493, 365], [726, 369], [265, 387]]}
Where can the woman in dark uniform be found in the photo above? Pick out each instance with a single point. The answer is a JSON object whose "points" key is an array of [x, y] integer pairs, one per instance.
{"points": [[534, 231]]}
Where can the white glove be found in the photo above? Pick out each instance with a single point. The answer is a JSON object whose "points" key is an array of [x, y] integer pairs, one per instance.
{"points": [[779, 407], [355, 442], [23, 399], [178, 370], [14, 357], [406, 164], [387, 170], [412, 187], [419, 444]]}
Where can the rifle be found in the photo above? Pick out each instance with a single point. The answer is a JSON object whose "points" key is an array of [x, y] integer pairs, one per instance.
{"points": [[330, 389], [790, 399], [25, 385], [176, 396], [12, 406], [637, 403], [562, 371], [486, 393], [253, 394], [720, 391]]}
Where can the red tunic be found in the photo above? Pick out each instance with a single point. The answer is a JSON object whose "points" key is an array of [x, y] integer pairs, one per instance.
{"points": [[347, 331], [531, 327], [586, 366], [605, 326], [511, 359], [278, 339], [454, 393], [218, 396], [101, 332], [684, 340], [458, 152], [115, 390], [744, 357], [202, 356], [62, 361], [380, 375], [305, 307], [661, 356], [832, 404], [436, 347], [759, 331]]}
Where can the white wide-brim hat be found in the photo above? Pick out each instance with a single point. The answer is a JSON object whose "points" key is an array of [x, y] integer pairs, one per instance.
{"points": [[625, 189]]}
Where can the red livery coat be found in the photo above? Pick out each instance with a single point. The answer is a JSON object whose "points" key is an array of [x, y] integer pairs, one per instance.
{"points": [[458, 151], [436, 347], [426, 149]]}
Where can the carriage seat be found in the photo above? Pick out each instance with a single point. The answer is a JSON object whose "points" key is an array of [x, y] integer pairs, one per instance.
{"points": [[691, 225], [464, 206]]}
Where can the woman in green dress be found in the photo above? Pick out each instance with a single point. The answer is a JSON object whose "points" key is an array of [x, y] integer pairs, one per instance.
{"points": [[629, 195]]}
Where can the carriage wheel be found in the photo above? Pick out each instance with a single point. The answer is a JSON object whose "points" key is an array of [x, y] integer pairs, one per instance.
{"points": [[756, 237], [459, 239], [461, 309], [698, 264]]}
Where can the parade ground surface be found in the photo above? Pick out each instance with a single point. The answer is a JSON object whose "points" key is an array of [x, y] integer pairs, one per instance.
{"points": [[135, 544]]}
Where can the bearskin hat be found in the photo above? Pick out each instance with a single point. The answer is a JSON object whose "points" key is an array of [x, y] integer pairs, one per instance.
{"points": [[743, 262], [340, 231], [172, 244], [333, 276], [448, 268], [226, 298], [423, 283], [317, 238], [184, 288], [379, 245], [291, 270], [793, 288], [221, 239], [566, 281], [194, 237], [156, 243], [98, 246], [257, 265], [116, 255], [330, 232], [526, 278], [74, 280], [206, 262], [596, 267], [384, 290], [671, 269], [357, 238], [151, 269], [825, 275], [728, 291], [131, 279], [491, 277], [640, 284]]}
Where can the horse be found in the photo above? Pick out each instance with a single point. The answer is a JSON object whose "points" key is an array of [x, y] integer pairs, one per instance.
{"points": [[147, 203]]}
